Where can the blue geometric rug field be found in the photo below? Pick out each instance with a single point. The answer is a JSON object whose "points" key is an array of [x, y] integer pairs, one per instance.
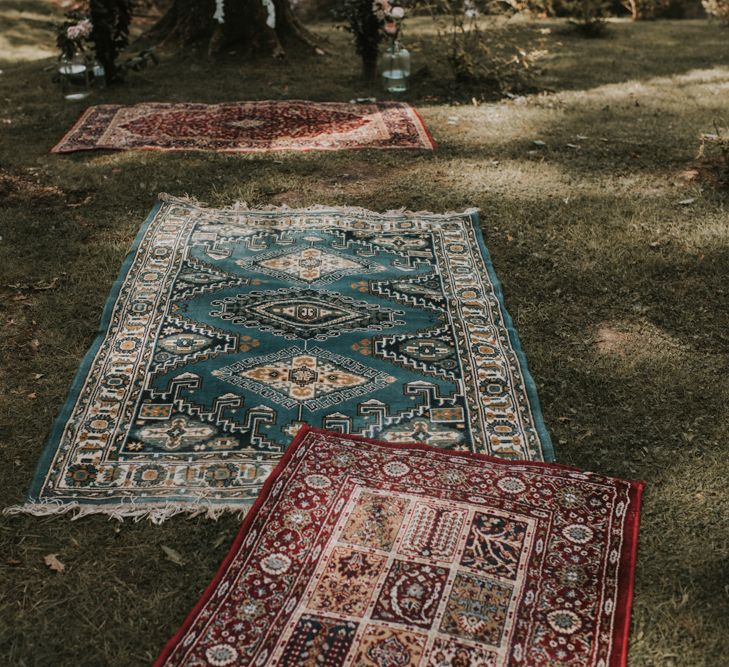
{"points": [[227, 330]]}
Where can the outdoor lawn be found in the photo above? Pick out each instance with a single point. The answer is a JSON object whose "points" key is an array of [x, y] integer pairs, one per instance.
{"points": [[611, 240]]}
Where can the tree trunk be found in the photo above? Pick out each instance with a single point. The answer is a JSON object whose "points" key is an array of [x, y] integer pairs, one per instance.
{"points": [[246, 24]]}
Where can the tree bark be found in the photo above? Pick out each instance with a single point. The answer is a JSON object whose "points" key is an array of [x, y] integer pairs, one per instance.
{"points": [[246, 24]]}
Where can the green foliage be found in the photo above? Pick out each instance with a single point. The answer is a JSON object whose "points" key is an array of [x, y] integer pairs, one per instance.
{"points": [[365, 27], [717, 8], [111, 20], [140, 61], [588, 16], [491, 60], [68, 45]]}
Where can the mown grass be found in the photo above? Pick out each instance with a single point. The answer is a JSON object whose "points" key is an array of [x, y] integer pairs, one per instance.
{"points": [[620, 293]]}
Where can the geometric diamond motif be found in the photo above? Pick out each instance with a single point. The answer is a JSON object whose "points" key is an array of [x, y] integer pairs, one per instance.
{"points": [[304, 314], [310, 265], [314, 378]]}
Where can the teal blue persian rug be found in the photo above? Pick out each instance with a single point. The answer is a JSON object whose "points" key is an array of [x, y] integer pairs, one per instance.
{"points": [[227, 330]]}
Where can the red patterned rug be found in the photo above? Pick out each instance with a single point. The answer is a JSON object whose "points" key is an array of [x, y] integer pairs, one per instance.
{"points": [[367, 553], [247, 127]]}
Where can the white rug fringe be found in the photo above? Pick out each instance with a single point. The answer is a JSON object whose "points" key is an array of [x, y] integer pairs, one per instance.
{"points": [[243, 207], [157, 514]]}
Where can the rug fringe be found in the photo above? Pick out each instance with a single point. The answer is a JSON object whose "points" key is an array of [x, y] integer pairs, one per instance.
{"points": [[241, 206], [120, 511]]}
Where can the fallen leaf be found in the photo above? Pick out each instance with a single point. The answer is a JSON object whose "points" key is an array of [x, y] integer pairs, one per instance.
{"points": [[173, 555], [539, 142], [51, 560], [81, 203], [34, 345], [13, 562], [572, 146], [689, 174], [32, 396], [686, 202]]}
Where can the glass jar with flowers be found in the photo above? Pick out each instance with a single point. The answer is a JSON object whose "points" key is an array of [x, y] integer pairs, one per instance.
{"points": [[396, 58], [76, 67]]}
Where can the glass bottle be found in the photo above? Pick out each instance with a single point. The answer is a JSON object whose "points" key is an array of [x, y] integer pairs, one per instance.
{"points": [[99, 74], [75, 77], [395, 68]]}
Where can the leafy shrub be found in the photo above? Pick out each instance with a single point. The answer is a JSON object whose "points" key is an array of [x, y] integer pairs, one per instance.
{"points": [[491, 61], [111, 20], [588, 16], [717, 8], [361, 21]]}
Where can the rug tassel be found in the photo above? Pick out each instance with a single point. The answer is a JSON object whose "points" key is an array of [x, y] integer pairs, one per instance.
{"points": [[121, 511], [242, 207]]}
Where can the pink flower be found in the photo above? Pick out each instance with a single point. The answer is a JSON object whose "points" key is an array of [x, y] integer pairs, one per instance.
{"points": [[81, 30], [86, 27], [397, 12], [390, 27]]}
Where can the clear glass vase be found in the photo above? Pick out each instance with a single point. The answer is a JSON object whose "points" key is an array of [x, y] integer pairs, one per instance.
{"points": [[395, 68], [75, 75], [98, 75]]}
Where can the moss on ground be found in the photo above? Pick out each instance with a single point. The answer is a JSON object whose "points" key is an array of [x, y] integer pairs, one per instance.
{"points": [[620, 293]]}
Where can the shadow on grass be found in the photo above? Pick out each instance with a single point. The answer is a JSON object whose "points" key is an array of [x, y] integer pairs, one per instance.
{"points": [[618, 292]]}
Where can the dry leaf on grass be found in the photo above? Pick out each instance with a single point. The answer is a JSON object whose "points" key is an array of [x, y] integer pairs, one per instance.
{"points": [[51, 560], [173, 555]]}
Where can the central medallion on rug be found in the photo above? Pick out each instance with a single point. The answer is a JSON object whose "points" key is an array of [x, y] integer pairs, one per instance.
{"points": [[230, 329], [247, 127]]}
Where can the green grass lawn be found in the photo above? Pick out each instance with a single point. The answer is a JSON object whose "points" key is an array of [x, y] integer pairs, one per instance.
{"points": [[620, 293]]}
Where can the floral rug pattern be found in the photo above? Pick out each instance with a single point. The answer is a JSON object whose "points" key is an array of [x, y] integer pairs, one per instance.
{"points": [[367, 553], [247, 127]]}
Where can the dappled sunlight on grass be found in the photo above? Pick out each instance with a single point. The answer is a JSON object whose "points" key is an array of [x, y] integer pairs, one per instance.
{"points": [[26, 35], [636, 342], [615, 269]]}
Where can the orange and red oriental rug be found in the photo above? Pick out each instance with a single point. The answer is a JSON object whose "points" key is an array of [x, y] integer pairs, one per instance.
{"points": [[247, 127], [376, 554]]}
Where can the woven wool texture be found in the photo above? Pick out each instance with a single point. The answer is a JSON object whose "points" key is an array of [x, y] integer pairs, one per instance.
{"points": [[368, 553], [247, 127], [227, 330]]}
